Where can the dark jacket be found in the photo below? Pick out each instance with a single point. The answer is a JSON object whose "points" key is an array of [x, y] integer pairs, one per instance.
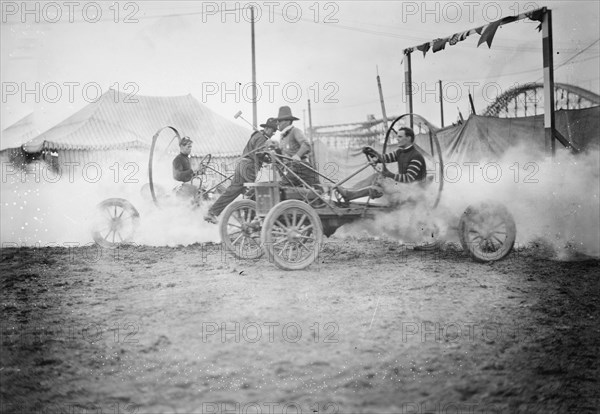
{"points": [[182, 169]]}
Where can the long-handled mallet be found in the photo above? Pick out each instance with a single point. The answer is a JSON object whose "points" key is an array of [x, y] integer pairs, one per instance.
{"points": [[239, 115]]}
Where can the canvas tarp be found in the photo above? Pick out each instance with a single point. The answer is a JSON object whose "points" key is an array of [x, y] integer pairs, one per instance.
{"points": [[489, 137]]}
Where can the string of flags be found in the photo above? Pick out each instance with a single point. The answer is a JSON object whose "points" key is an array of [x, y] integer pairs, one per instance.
{"points": [[486, 33]]}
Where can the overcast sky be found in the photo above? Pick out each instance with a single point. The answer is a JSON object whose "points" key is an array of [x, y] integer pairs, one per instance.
{"points": [[327, 52]]}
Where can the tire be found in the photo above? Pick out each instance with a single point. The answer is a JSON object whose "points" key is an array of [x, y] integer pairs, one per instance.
{"points": [[487, 231], [292, 235], [240, 229], [116, 223]]}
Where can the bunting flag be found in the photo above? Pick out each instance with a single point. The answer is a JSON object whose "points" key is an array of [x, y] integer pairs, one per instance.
{"points": [[439, 44], [424, 48], [486, 32], [490, 30], [537, 15]]}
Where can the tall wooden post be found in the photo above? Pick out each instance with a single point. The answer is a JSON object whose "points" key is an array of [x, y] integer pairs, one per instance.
{"points": [[254, 115], [408, 86], [441, 103], [313, 156], [383, 113], [547, 50]]}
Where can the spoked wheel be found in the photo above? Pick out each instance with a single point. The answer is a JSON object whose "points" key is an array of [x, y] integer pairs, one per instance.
{"points": [[292, 234], [116, 223], [487, 231], [240, 229]]}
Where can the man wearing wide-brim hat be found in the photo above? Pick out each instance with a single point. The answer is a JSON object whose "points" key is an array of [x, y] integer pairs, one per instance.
{"points": [[294, 144], [245, 170]]}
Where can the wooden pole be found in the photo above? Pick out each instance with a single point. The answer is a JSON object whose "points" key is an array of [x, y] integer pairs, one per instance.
{"points": [[313, 156], [254, 114], [408, 86], [441, 102], [385, 119], [549, 119], [472, 103]]}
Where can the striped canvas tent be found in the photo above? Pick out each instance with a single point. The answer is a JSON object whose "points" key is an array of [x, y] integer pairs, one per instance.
{"points": [[14, 136], [118, 124]]}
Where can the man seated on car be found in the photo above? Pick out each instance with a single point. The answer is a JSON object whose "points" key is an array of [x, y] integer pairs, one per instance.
{"points": [[182, 169], [411, 166], [293, 144]]}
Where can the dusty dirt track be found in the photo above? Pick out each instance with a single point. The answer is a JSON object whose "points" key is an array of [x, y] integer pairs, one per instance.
{"points": [[370, 328]]}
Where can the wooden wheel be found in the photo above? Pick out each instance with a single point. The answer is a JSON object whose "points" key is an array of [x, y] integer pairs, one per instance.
{"points": [[240, 229], [292, 234], [487, 231], [116, 223]]}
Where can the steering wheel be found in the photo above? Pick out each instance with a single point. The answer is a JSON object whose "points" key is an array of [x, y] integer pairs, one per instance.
{"points": [[373, 158], [204, 162]]}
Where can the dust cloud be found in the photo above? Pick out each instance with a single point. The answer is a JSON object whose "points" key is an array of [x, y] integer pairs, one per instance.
{"points": [[553, 201]]}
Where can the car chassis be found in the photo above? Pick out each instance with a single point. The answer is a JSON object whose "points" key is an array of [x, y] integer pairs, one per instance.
{"points": [[288, 223]]}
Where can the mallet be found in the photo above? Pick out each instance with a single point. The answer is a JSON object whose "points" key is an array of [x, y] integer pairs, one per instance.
{"points": [[239, 115]]}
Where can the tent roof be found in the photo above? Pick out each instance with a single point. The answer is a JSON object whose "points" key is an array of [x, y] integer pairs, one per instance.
{"points": [[117, 120], [21, 131]]}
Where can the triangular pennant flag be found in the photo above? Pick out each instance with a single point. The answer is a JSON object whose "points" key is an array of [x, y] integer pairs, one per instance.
{"points": [[488, 33], [439, 44], [424, 48]]}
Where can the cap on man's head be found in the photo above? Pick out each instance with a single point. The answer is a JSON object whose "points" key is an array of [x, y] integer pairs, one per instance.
{"points": [[271, 123], [185, 141]]}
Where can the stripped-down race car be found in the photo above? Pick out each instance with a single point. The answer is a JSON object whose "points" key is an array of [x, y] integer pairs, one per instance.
{"points": [[287, 223]]}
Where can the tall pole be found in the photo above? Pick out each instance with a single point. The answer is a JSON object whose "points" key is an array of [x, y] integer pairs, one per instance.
{"points": [[549, 120], [385, 120], [254, 115], [313, 156], [408, 86], [304, 120], [441, 102]]}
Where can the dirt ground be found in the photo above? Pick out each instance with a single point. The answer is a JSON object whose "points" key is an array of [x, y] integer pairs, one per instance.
{"points": [[371, 327]]}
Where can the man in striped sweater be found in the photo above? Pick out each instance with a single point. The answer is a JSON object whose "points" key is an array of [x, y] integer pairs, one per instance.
{"points": [[411, 166]]}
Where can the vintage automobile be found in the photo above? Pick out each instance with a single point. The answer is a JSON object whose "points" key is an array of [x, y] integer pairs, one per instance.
{"points": [[288, 223]]}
